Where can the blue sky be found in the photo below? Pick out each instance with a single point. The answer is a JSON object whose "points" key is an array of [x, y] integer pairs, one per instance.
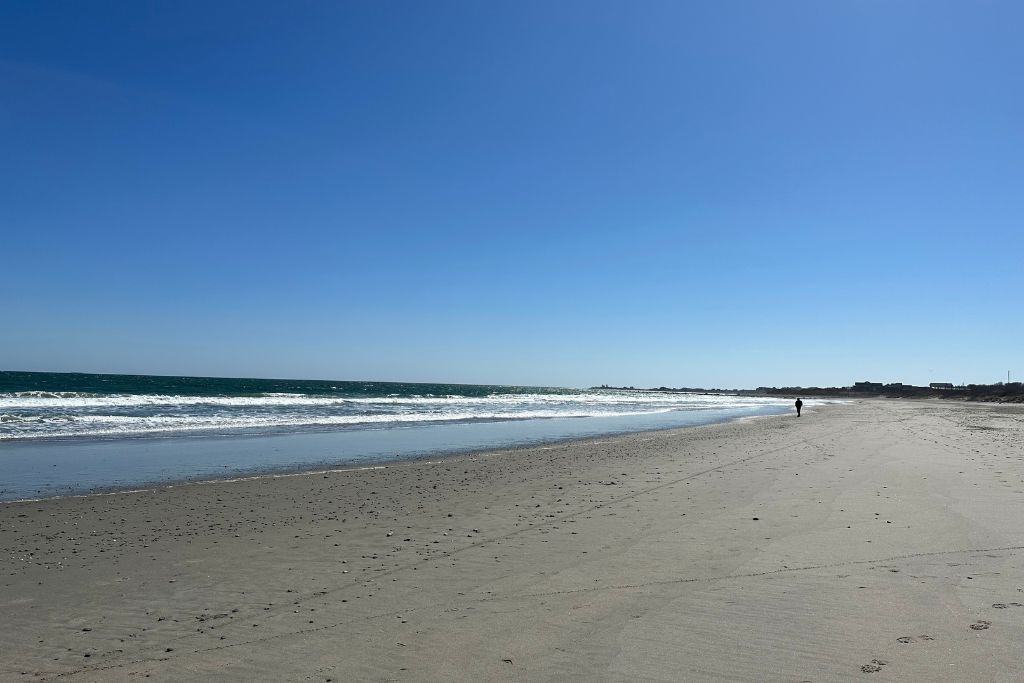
{"points": [[573, 193]]}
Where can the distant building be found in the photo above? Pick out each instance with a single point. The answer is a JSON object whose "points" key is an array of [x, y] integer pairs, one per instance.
{"points": [[941, 385], [867, 386]]}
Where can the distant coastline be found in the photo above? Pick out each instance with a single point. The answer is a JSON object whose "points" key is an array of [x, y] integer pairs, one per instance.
{"points": [[1001, 392]]}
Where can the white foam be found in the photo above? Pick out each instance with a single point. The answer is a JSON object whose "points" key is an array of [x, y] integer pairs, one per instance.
{"points": [[34, 415], [27, 400], [121, 425]]}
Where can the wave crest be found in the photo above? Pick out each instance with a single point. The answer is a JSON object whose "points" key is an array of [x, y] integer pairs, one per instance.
{"points": [[42, 414]]}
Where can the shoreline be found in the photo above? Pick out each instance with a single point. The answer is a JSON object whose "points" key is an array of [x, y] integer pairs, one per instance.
{"points": [[323, 466], [783, 549]]}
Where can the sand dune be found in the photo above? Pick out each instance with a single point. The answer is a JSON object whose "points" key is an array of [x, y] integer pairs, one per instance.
{"points": [[868, 540]]}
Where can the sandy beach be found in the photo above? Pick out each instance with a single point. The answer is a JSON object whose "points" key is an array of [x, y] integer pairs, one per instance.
{"points": [[870, 540]]}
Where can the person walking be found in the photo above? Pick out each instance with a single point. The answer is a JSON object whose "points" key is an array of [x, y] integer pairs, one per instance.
{"points": [[799, 405]]}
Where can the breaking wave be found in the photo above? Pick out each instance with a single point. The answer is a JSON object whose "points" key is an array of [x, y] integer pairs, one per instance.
{"points": [[72, 414]]}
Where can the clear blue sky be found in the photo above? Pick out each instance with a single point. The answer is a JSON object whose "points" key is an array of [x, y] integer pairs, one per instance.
{"points": [[700, 193]]}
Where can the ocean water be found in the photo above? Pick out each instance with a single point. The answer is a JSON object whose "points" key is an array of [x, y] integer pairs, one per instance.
{"points": [[70, 406], [69, 433]]}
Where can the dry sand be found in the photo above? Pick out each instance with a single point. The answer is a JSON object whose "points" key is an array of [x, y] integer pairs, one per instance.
{"points": [[870, 540]]}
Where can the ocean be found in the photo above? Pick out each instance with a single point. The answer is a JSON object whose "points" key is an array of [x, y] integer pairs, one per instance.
{"points": [[69, 433]]}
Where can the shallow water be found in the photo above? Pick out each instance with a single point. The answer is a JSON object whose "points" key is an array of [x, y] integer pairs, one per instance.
{"points": [[39, 469], [73, 433]]}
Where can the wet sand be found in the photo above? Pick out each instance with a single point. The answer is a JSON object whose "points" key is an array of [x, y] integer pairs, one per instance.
{"points": [[872, 540]]}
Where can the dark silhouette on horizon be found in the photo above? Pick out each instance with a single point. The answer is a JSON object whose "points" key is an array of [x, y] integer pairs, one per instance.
{"points": [[799, 404]]}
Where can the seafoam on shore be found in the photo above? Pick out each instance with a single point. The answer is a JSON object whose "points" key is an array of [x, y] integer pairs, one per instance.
{"points": [[65, 414]]}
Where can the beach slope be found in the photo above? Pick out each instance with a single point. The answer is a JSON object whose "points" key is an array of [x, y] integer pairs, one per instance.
{"points": [[870, 539]]}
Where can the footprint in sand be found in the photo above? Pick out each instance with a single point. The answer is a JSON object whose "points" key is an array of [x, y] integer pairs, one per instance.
{"points": [[912, 639], [981, 625], [874, 667]]}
